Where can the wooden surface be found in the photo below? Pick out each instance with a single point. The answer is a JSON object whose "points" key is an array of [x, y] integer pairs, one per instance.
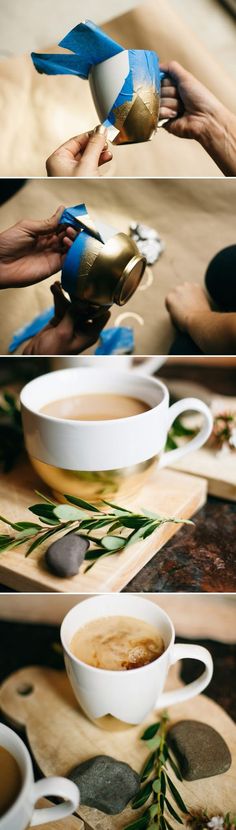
{"points": [[219, 468], [168, 493], [60, 737], [70, 823]]}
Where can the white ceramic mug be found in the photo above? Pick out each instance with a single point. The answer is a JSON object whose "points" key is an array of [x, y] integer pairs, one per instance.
{"points": [[22, 814], [107, 79], [103, 459], [129, 695]]}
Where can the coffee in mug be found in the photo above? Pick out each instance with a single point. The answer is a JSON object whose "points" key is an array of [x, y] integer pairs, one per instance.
{"points": [[117, 643], [10, 780], [97, 407]]}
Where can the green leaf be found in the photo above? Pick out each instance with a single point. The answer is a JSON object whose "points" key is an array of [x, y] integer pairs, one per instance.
{"points": [[27, 526], [150, 529], [117, 509], [140, 824], [44, 510], [154, 743], [81, 503], [8, 523], [148, 767], [135, 536], [162, 823], [66, 513], [156, 786], [142, 796], [153, 810], [94, 553], [163, 783], [40, 540], [5, 543], [173, 812], [150, 731], [174, 766], [177, 797], [113, 543]]}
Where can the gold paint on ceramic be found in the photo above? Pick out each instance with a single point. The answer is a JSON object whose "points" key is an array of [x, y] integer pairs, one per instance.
{"points": [[111, 485], [109, 273], [137, 120]]}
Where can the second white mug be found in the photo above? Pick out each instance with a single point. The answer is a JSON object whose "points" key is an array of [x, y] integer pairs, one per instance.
{"points": [[129, 695]]}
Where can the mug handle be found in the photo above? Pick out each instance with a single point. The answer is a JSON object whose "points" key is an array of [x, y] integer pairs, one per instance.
{"points": [[180, 652], [60, 787], [170, 457]]}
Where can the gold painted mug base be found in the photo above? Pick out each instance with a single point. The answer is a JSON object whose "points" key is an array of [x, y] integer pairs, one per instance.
{"points": [[110, 485]]}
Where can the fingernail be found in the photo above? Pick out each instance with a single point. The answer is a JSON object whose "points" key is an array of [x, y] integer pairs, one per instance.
{"points": [[100, 129]]}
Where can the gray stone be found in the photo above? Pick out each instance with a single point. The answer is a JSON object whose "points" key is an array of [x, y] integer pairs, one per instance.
{"points": [[106, 784], [200, 750], [65, 556]]}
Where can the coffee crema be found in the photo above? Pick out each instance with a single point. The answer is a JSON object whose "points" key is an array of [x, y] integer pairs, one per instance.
{"points": [[117, 643], [95, 407], [10, 780]]}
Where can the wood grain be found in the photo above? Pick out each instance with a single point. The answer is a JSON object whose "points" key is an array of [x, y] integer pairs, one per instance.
{"points": [[168, 493], [61, 736]]}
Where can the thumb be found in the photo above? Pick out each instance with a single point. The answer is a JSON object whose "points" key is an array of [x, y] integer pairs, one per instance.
{"points": [[96, 144], [60, 302], [50, 225]]}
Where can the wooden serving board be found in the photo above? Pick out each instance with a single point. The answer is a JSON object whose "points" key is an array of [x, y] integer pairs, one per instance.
{"points": [[61, 737], [168, 492]]}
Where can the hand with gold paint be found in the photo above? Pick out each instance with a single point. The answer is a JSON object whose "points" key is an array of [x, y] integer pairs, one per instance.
{"points": [[195, 113], [66, 333], [81, 156]]}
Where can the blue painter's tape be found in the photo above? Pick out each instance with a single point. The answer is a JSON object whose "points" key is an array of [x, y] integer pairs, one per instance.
{"points": [[58, 64], [72, 263], [91, 46], [70, 216], [31, 329], [118, 340]]}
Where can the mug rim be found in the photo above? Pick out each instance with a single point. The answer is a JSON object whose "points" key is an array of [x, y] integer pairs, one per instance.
{"points": [[116, 672], [150, 51], [155, 382], [26, 780]]}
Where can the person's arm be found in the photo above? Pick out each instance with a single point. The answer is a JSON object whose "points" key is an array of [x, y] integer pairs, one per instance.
{"points": [[214, 332], [81, 156], [196, 113]]}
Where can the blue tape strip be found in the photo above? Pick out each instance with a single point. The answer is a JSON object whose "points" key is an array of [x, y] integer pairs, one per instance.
{"points": [[31, 329], [70, 216], [71, 264], [91, 46], [118, 340]]}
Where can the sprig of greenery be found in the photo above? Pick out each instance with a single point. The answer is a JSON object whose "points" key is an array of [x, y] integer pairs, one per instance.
{"points": [[157, 788], [86, 520]]}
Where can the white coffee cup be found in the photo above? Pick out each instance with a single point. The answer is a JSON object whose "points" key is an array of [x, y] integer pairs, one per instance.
{"points": [[119, 453], [129, 695], [22, 813]]}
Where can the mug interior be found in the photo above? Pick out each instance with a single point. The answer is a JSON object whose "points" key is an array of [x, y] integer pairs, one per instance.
{"points": [[10, 741], [116, 605], [71, 382]]}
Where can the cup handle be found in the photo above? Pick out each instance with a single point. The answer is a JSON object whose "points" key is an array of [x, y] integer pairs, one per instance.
{"points": [[170, 457], [180, 652], [60, 787]]}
